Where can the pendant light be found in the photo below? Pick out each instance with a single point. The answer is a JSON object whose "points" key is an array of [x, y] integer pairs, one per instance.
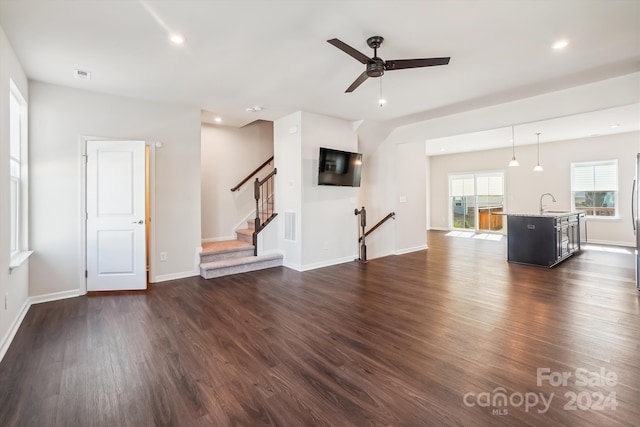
{"points": [[513, 161], [538, 168]]}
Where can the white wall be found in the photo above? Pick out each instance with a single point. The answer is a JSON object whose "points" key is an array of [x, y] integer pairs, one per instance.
{"points": [[228, 156], [59, 117], [287, 152], [395, 180], [524, 187], [378, 196], [16, 283], [329, 226], [411, 179], [326, 227]]}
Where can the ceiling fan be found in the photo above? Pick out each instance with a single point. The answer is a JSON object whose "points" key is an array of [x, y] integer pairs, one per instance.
{"points": [[377, 66]]}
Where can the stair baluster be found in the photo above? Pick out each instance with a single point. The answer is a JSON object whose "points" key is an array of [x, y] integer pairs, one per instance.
{"points": [[265, 209]]}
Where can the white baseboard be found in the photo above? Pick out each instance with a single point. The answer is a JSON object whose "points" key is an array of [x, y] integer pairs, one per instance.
{"points": [[38, 299], [175, 276], [8, 338], [608, 243], [438, 228], [321, 264], [409, 250], [11, 333]]}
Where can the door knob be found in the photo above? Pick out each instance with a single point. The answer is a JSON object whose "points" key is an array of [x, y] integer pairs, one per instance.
{"points": [[138, 222]]}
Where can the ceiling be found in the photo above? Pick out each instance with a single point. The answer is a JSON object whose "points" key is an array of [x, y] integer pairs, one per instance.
{"points": [[607, 121], [274, 54]]}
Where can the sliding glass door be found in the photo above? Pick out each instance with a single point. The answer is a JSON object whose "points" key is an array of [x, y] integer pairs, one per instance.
{"points": [[463, 202], [476, 199]]}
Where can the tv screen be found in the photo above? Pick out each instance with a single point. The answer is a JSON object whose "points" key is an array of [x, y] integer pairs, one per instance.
{"points": [[341, 168]]}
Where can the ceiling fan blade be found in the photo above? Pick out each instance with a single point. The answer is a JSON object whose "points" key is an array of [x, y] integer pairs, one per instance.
{"points": [[400, 64], [349, 50], [361, 78]]}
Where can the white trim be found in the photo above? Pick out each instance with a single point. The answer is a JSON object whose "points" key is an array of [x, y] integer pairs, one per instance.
{"points": [[18, 259], [175, 276], [17, 322], [55, 296], [409, 250], [240, 225], [439, 228], [608, 243], [292, 266], [11, 333], [82, 208], [327, 263], [152, 210]]}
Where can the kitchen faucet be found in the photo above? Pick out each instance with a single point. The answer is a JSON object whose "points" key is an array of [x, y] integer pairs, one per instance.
{"points": [[553, 199]]}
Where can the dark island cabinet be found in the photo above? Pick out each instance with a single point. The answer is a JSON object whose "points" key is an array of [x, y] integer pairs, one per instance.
{"points": [[545, 239]]}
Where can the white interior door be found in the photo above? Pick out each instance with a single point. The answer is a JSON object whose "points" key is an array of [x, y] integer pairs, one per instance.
{"points": [[116, 258]]}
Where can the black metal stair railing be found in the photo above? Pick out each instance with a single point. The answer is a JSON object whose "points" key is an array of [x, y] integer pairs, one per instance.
{"points": [[264, 194], [362, 256]]}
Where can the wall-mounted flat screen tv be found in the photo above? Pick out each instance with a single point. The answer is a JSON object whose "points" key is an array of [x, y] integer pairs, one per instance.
{"points": [[340, 168]]}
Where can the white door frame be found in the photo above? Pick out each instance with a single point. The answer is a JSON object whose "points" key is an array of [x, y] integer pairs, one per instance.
{"points": [[82, 244]]}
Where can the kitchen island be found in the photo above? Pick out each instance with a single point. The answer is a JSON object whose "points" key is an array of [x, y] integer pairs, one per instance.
{"points": [[544, 239]]}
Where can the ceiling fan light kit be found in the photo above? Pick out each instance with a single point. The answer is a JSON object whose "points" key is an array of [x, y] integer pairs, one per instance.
{"points": [[376, 66]]}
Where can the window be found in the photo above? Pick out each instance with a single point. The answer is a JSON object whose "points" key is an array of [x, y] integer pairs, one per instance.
{"points": [[475, 201], [594, 188], [17, 158]]}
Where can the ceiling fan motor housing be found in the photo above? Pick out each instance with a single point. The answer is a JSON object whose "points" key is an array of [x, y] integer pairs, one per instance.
{"points": [[375, 67]]}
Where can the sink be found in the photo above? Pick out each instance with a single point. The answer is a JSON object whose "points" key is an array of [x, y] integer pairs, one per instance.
{"points": [[557, 212]]}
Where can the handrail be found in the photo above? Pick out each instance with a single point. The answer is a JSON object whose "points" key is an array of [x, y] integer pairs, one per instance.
{"points": [[266, 178], [258, 169], [382, 221]]}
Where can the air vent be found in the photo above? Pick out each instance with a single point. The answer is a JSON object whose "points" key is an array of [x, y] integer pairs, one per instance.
{"points": [[82, 75], [290, 225]]}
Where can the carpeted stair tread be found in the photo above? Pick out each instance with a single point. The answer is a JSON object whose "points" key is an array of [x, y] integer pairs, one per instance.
{"points": [[225, 267]]}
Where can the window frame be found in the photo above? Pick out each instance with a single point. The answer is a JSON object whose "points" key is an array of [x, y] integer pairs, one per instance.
{"points": [[616, 191], [18, 177], [474, 177]]}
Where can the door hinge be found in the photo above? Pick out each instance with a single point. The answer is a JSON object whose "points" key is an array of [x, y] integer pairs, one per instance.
{"points": [[86, 274]]}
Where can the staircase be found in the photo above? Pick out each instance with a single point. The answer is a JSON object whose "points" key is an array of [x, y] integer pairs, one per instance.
{"points": [[235, 256]]}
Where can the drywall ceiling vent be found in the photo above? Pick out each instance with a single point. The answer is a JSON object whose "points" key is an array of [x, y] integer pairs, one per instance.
{"points": [[82, 75], [290, 225]]}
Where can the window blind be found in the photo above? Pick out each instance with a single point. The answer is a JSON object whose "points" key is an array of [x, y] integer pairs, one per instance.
{"points": [[601, 176], [462, 187]]}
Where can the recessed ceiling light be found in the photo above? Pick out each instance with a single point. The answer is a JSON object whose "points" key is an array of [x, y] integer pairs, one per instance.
{"points": [[218, 119], [442, 149], [617, 125], [561, 44], [176, 39]]}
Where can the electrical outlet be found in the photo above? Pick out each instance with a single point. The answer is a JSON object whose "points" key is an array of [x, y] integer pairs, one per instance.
{"points": [[163, 256]]}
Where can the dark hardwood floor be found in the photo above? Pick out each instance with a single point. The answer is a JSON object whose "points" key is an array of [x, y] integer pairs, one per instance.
{"points": [[438, 337]]}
